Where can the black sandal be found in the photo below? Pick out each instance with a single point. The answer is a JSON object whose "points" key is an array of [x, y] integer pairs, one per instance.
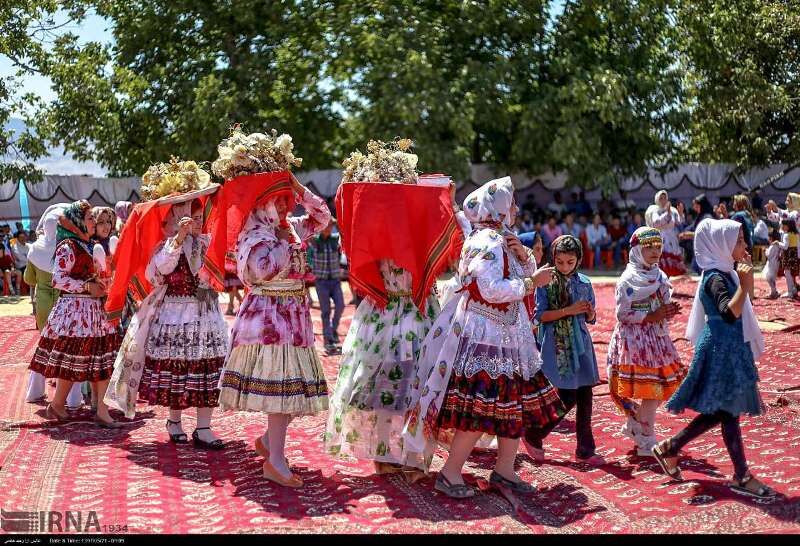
{"points": [[763, 491], [179, 438], [660, 453], [459, 491], [216, 445], [517, 487]]}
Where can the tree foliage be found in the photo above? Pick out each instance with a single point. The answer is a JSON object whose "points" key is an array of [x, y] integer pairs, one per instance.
{"points": [[599, 89]]}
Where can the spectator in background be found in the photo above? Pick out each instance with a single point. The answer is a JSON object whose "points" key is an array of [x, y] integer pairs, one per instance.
{"points": [[122, 210], [526, 224], [325, 256], [757, 201], [557, 206], [702, 209], [761, 233], [619, 239], [530, 204], [19, 251], [582, 207], [569, 227], [635, 222], [743, 213], [551, 231], [8, 271], [597, 238]]}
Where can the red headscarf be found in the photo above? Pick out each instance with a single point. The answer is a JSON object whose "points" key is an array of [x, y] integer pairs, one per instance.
{"points": [[412, 225], [232, 206]]}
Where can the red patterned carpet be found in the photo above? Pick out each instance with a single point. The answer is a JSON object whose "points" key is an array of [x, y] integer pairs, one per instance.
{"points": [[135, 477]]}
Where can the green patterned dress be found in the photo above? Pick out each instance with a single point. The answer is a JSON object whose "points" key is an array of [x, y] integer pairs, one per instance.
{"points": [[379, 359]]}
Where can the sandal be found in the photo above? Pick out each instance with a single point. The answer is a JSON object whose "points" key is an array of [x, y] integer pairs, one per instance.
{"points": [[535, 453], [670, 467], [107, 424], [215, 445], [179, 438], [271, 473], [517, 487], [757, 490], [458, 491], [51, 413]]}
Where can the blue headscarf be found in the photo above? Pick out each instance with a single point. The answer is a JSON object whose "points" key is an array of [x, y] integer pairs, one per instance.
{"points": [[529, 238]]}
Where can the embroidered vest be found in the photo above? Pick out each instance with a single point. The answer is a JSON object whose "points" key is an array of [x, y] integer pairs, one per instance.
{"points": [[83, 268], [181, 282]]}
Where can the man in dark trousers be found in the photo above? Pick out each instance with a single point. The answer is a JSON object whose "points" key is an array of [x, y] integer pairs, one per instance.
{"points": [[324, 252]]}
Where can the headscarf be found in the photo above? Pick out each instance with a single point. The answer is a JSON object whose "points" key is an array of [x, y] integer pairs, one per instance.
{"points": [[639, 281], [71, 224], [42, 251], [123, 209], [654, 209], [714, 242], [97, 212], [793, 201], [568, 342], [260, 227], [529, 238], [491, 203]]}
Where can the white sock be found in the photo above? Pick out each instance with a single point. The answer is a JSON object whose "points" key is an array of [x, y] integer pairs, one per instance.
{"points": [[75, 396], [204, 422], [36, 385], [175, 417], [278, 423]]}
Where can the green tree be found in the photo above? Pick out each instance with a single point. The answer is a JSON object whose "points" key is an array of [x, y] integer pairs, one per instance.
{"points": [[742, 61], [181, 72], [25, 26], [608, 101]]}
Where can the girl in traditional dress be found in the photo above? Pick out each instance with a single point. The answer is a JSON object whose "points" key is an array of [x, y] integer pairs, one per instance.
{"points": [[790, 243], [722, 382], [479, 366], [78, 343], [563, 309], [187, 338], [791, 212], [643, 363], [371, 397], [39, 276], [666, 219], [273, 366]]}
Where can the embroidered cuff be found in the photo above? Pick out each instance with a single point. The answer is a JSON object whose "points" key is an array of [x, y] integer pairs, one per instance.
{"points": [[529, 288]]}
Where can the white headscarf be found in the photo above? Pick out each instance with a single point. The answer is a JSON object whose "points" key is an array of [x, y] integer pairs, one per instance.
{"points": [[652, 210], [640, 280], [42, 251], [714, 242], [491, 202]]}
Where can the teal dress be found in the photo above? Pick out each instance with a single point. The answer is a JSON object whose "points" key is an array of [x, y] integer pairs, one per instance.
{"points": [[723, 374]]}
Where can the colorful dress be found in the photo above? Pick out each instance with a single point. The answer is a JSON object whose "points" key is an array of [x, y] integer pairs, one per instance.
{"points": [[188, 339], [667, 221], [372, 391], [273, 366], [78, 343], [479, 368], [723, 374], [642, 360]]}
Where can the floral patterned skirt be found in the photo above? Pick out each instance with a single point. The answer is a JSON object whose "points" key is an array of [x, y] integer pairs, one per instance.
{"points": [[790, 261], [503, 406], [672, 264], [77, 343], [643, 364], [186, 348], [274, 379]]}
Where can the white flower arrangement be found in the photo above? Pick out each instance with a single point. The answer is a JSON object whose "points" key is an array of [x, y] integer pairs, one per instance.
{"points": [[177, 176], [384, 162], [241, 154]]}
